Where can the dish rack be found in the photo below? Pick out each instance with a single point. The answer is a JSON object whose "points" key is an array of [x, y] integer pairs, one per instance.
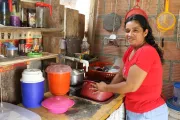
{"points": [[93, 74]]}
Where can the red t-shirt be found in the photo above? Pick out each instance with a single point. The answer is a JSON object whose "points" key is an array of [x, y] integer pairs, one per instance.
{"points": [[148, 96]]}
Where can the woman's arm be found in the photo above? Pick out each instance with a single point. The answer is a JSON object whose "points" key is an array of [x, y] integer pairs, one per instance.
{"points": [[134, 80], [118, 77]]}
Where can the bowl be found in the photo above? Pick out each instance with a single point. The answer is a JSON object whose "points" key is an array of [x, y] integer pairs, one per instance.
{"points": [[88, 93], [57, 104]]}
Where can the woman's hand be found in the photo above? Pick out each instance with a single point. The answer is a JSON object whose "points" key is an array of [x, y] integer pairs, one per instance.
{"points": [[102, 87]]}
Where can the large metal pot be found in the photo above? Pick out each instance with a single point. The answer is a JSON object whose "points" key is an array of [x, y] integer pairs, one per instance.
{"points": [[77, 77]]}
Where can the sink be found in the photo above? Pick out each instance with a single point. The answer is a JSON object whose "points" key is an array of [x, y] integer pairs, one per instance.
{"points": [[76, 92]]}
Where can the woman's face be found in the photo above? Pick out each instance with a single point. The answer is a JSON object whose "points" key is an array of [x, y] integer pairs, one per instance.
{"points": [[135, 34]]}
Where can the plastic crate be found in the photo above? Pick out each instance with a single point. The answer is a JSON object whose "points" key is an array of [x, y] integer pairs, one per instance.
{"points": [[100, 75]]}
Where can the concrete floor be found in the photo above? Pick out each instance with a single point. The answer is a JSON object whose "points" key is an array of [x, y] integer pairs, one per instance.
{"points": [[171, 118]]}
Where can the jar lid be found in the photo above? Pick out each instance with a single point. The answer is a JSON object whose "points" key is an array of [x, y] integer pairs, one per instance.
{"points": [[58, 68], [33, 55], [12, 48], [32, 76]]}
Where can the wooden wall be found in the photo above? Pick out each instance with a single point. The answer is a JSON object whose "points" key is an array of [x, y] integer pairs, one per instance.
{"points": [[152, 8]]}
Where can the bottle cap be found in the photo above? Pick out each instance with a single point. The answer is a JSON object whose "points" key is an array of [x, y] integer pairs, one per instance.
{"points": [[84, 39]]}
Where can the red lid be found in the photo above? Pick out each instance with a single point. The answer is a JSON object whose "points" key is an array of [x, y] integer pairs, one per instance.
{"points": [[136, 10], [42, 4]]}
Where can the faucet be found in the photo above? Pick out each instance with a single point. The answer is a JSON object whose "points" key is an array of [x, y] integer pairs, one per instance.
{"points": [[84, 62]]}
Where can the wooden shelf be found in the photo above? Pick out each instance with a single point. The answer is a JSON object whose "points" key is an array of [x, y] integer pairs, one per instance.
{"points": [[20, 59], [11, 28]]}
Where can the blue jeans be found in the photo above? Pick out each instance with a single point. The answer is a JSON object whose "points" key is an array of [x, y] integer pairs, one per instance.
{"points": [[159, 113]]}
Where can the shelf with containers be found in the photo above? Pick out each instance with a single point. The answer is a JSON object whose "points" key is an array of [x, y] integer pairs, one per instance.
{"points": [[20, 59], [20, 29], [16, 33]]}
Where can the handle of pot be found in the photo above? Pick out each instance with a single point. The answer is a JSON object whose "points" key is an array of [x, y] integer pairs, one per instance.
{"points": [[167, 6]]}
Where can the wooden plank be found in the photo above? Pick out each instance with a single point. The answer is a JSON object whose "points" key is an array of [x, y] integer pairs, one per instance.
{"points": [[92, 22], [46, 41], [51, 44], [81, 26], [28, 4], [10, 83], [72, 23], [61, 17], [10, 61], [27, 29], [55, 21]]}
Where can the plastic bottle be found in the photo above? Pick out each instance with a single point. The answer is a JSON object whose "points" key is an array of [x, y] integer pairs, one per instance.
{"points": [[85, 46]]}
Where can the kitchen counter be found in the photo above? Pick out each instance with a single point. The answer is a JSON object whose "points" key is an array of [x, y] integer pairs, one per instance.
{"points": [[83, 109]]}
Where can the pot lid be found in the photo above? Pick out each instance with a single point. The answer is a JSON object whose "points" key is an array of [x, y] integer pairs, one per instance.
{"points": [[111, 21], [57, 102]]}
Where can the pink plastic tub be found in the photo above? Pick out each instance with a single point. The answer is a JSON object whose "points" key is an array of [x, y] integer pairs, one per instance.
{"points": [[57, 104]]}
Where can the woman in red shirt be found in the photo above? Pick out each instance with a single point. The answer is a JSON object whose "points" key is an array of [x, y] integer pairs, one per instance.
{"points": [[140, 76]]}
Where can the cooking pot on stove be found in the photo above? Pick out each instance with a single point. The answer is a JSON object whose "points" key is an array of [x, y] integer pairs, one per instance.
{"points": [[77, 77]]}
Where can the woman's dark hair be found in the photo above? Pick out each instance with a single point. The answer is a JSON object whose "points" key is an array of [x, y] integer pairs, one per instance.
{"points": [[149, 38]]}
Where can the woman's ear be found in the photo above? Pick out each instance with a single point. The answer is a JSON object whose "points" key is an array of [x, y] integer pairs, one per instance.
{"points": [[145, 32]]}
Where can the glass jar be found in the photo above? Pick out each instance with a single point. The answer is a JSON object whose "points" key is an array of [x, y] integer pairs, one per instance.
{"points": [[21, 47]]}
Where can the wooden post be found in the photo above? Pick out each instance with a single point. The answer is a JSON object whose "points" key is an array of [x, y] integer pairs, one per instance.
{"points": [[71, 23], [81, 26], [92, 22]]}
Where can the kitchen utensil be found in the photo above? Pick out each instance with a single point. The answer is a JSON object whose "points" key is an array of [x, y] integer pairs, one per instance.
{"points": [[77, 77], [100, 75], [5, 9], [42, 14], [58, 104], [112, 22], [59, 78], [136, 10], [12, 52], [166, 20], [88, 93]]}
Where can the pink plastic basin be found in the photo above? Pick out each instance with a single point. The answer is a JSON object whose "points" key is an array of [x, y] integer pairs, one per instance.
{"points": [[57, 104]]}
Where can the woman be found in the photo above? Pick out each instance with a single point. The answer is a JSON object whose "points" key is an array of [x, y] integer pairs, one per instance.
{"points": [[140, 77]]}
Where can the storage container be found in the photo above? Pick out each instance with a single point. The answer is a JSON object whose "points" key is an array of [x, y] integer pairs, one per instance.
{"points": [[58, 104], [89, 93], [43, 12], [14, 112], [32, 87], [59, 78], [176, 98], [12, 52]]}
